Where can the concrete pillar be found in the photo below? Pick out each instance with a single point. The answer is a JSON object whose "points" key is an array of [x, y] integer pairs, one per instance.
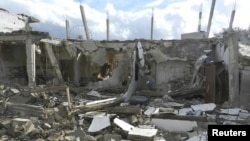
{"points": [[107, 22], [231, 20], [84, 22], [76, 68], [233, 70], [31, 62], [152, 25], [199, 20], [210, 17], [53, 61], [67, 29]]}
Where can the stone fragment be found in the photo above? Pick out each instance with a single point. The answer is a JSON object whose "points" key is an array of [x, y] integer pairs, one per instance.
{"points": [[112, 137], [15, 91], [143, 100], [231, 111], [149, 111], [184, 111], [204, 107], [174, 125], [244, 115], [122, 124], [173, 104], [21, 126], [99, 123], [138, 134]]}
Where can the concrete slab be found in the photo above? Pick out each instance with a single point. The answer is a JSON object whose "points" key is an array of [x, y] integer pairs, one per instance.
{"points": [[204, 107], [228, 117], [99, 123], [244, 115], [122, 124], [198, 138], [139, 100], [15, 91], [174, 125], [149, 111], [231, 111], [184, 111], [138, 134], [172, 104]]}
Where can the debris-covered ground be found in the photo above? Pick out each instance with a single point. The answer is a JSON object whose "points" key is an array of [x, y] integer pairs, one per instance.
{"points": [[67, 113]]}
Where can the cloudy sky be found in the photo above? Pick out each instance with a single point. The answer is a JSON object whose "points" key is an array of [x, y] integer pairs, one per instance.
{"points": [[129, 19]]}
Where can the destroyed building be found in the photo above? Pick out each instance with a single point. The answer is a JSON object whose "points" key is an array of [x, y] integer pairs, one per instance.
{"points": [[50, 89]]}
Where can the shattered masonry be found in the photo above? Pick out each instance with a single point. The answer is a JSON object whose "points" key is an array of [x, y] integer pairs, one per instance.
{"points": [[49, 89]]}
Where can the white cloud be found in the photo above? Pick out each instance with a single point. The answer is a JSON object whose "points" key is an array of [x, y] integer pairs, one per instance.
{"points": [[110, 8], [170, 19], [154, 3]]}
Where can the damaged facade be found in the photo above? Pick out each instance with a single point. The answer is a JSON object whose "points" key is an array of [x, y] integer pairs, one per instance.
{"points": [[50, 88]]}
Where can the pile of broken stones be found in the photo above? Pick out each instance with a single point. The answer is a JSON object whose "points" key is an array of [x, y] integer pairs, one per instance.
{"points": [[65, 113]]}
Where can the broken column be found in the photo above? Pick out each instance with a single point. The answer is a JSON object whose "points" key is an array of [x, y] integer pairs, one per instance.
{"points": [[31, 61], [53, 61], [233, 70]]}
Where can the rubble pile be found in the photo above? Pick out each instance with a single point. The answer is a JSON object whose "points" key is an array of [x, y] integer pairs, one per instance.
{"points": [[62, 113]]}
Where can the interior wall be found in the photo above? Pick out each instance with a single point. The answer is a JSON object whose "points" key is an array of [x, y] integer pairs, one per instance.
{"points": [[13, 63], [171, 70]]}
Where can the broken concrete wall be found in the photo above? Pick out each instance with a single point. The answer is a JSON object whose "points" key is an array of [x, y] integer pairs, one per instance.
{"points": [[244, 57], [119, 54], [12, 63], [172, 60], [171, 71], [11, 22]]}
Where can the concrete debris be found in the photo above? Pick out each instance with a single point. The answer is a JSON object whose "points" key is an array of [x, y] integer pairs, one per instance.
{"points": [[112, 137], [185, 111], [138, 134], [97, 117], [135, 133], [174, 125], [244, 115], [21, 127], [99, 123], [123, 125], [173, 104], [149, 111], [15, 91], [201, 137], [204, 107], [139, 100], [234, 111], [128, 110], [176, 136]]}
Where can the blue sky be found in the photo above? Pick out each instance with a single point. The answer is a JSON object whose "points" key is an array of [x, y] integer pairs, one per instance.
{"points": [[129, 19]]}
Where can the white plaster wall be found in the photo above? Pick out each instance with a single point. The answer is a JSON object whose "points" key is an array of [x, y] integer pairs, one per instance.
{"points": [[11, 22], [171, 70]]}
